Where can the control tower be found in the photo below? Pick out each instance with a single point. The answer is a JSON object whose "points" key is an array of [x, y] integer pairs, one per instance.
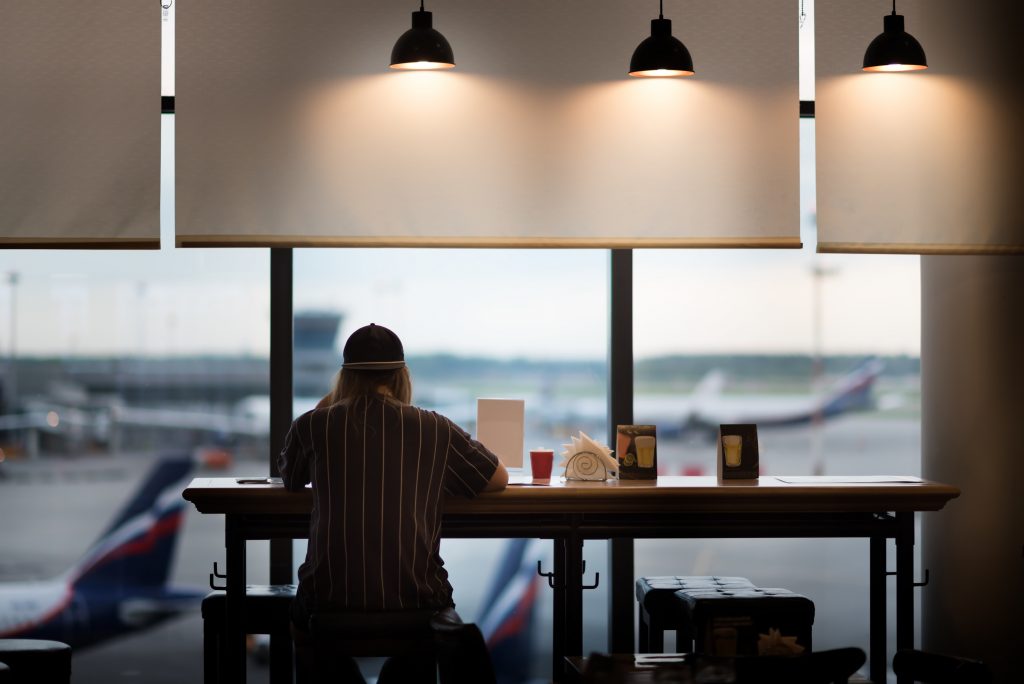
{"points": [[317, 357]]}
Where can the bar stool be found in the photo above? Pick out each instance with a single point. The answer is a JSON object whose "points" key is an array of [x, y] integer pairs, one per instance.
{"points": [[462, 655], [267, 611], [659, 610], [36, 661], [457, 649], [5, 674], [337, 636], [745, 621]]}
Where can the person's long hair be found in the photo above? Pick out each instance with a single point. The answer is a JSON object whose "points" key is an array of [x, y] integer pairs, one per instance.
{"points": [[357, 383]]}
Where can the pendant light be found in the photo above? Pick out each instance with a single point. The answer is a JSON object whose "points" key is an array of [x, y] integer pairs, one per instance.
{"points": [[661, 55], [894, 49], [422, 47]]}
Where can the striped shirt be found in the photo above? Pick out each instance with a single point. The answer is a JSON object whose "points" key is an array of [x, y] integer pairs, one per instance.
{"points": [[380, 471]]}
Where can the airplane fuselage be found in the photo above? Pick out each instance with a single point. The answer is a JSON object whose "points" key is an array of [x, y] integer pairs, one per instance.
{"points": [[54, 610]]}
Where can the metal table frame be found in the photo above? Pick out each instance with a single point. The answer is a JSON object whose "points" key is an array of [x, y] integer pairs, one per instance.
{"points": [[569, 529]]}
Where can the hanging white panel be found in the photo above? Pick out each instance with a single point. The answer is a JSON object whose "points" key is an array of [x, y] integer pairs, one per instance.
{"points": [[291, 129], [925, 162], [80, 124]]}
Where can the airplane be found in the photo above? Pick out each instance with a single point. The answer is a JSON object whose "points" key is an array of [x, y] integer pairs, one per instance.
{"points": [[709, 409], [699, 413], [120, 584]]}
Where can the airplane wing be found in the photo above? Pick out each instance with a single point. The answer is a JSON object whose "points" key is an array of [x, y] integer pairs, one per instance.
{"points": [[54, 419], [219, 423]]}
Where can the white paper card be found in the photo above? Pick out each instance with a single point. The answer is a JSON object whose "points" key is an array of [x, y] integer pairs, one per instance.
{"points": [[848, 479], [499, 427]]}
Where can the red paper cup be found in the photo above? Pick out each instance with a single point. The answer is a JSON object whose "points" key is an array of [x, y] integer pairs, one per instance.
{"points": [[541, 461]]}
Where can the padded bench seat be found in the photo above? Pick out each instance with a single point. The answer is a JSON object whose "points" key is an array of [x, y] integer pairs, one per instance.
{"points": [[745, 620], [35, 661], [659, 610], [267, 611], [716, 615]]}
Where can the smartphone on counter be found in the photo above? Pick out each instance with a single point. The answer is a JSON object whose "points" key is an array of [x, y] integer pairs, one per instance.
{"points": [[258, 480]]}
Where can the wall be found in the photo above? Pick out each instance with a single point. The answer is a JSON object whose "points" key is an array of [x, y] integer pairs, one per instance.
{"points": [[972, 369]]}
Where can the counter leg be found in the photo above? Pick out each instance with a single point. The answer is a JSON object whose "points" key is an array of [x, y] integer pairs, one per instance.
{"points": [[877, 663], [558, 652], [281, 656], [574, 596], [233, 650], [904, 582], [622, 600]]}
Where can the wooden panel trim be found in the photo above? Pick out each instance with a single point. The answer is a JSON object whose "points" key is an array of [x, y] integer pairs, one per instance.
{"points": [[79, 243], [913, 248], [487, 242]]}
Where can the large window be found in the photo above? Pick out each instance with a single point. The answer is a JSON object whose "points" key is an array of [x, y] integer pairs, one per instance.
{"points": [[825, 345], [527, 324], [110, 364]]}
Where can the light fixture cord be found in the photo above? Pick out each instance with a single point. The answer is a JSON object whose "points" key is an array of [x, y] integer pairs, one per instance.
{"points": [[894, 7], [421, 4], [661, 8]]}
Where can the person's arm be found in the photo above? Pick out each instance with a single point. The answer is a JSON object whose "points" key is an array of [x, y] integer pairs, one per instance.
{"points": [[294, 460], [471, 468], [499, 480]]}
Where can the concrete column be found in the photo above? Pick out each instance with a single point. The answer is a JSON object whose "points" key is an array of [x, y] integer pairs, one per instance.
{"points": [[972, 377]]}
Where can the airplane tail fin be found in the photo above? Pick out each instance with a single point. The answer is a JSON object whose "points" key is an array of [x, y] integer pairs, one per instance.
{"points": [[508, 611], [138, 547], [710, 385], [853, 391]]}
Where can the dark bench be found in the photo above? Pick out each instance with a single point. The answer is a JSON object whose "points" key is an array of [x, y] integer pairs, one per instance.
{"points": [[715, 615], [35, 661], [659, 610], [267, 611], [745, 621]]}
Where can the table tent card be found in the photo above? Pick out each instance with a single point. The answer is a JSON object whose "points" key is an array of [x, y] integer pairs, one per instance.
{"points": [[637, 449], [499, 427], [738, 457]]}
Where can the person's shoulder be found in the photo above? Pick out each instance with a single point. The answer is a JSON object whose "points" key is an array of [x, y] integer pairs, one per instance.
{"points": [[303, 419], [316, 412], [420, 412], [414, 410]]}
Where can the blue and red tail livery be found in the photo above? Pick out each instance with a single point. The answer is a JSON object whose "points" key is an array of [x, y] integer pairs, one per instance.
{"points": [[120, 584], [508, 611]]}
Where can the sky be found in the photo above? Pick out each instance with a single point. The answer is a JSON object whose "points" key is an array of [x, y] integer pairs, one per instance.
{"points": [[503, 303]]}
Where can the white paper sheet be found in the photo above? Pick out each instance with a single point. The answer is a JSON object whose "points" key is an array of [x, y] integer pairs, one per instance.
{"points": [[499, 426], [847, 479]]}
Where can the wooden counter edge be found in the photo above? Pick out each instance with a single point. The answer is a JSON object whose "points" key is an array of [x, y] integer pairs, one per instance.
{"points": [[232, 498]]}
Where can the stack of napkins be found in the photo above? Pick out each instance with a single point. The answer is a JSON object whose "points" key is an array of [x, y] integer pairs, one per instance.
{"points": [[586, 459]]}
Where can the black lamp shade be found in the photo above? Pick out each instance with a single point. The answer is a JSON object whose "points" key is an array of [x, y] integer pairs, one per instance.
{"points": [[422, 47], [661, 54], [894, 49]]}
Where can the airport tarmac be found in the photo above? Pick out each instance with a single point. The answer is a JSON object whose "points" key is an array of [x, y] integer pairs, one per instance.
{"points": [[53, 508]]}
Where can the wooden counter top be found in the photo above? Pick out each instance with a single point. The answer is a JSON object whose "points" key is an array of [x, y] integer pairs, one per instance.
{"points": [[673, 494]]}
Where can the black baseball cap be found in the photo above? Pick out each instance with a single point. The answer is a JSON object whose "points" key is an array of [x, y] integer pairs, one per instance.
{"points": [[373, 347]]}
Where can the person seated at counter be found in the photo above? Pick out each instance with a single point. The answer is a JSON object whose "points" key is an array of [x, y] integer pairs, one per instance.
{"points": [[380, 469]]}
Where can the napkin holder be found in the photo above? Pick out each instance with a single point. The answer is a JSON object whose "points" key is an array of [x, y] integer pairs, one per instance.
{"points": [[586, 465]]}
